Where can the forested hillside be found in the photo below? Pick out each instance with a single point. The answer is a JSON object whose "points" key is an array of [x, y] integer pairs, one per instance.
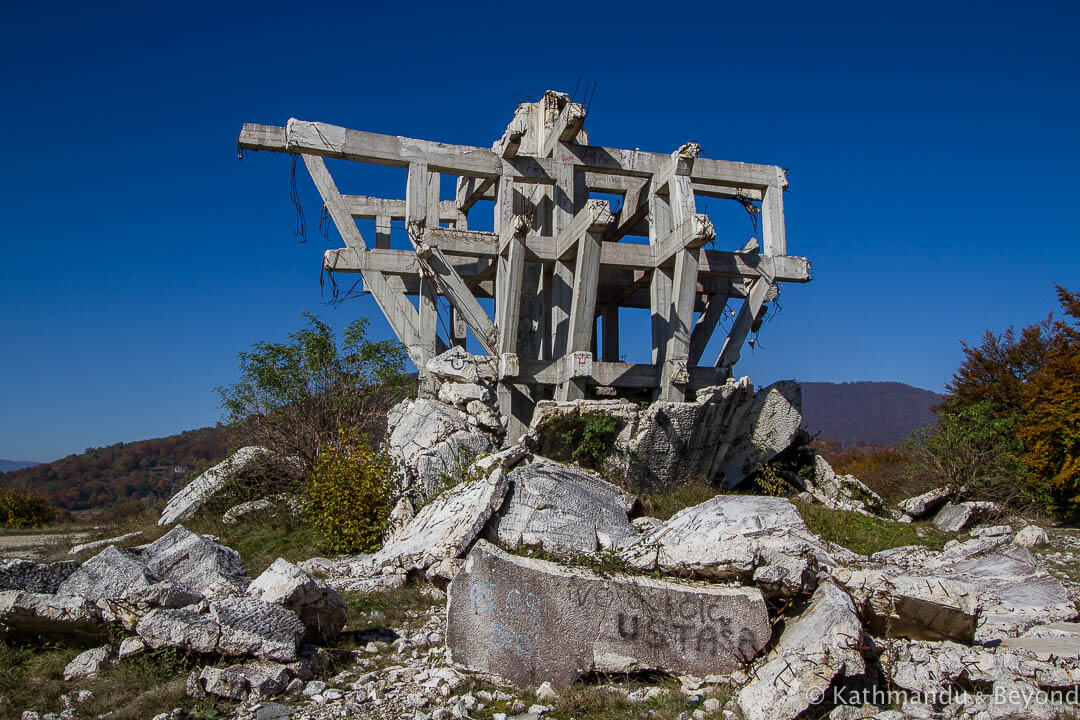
{"points": [[866, 413], [101, 477]]}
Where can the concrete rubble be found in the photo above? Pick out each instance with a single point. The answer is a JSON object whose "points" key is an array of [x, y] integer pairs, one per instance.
{"points": [[320, 608], [529, 620], [187, 502], [840, 492], [823, 642], [920, 506], [90, 663], [721, 437], [18, 574]]}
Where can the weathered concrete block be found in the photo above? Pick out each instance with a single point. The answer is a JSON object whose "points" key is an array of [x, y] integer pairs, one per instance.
{"points": [[83, 547], [954, 517], [58, 616], [908, 606], [532, 621], [768, 427], [185, 503], [922, 505], [195, 561], [319, 607], [458, 365], [89, 664], [562, 510]]}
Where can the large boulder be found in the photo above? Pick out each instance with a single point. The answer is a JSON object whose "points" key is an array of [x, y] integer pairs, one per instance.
{"points": [[109, 574], [196, 562], [767, 428], [817, 646], [433, 443], [562, 510], [185, 503], [532, 621], [319, 607], [29, 576]]}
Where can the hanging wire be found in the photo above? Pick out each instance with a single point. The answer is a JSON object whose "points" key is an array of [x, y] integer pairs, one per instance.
{"points": [[324, 223], [300, 230]]}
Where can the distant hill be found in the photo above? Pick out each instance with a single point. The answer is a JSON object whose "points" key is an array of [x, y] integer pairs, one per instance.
{"points": [[866, 413], [102, 477], [6, 465]]}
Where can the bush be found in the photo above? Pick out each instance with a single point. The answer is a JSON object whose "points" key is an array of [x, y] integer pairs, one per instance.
{"points": [[292, 397], [349, 494], [21, 508], [586, 439], [974, 448]]}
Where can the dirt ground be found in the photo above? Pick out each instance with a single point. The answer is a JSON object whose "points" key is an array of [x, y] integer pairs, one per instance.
{"points": [[34, 545]]}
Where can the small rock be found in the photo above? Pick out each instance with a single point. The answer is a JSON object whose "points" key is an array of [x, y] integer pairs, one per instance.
{"points": [[315, 687], [89, 664], [273, 711], [1031, 536], [546, 692], [131, 646]]}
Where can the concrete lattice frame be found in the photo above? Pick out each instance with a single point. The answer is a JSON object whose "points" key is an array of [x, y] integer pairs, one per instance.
{"points": [[554, 262]]}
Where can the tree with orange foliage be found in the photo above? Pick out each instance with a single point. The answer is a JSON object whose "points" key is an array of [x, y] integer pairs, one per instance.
{"points": [[1050, 412]]}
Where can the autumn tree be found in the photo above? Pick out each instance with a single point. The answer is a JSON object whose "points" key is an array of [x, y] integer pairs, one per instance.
{"points": [[1050, 412]]}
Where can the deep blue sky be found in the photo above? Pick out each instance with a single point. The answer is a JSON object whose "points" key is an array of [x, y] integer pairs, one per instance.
{"points": [[933, 163]]}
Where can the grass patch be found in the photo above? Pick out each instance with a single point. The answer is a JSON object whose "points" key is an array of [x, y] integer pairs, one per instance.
{"points": [[32, 678], [597, 702], [387, 608], [663, 505], [867, 535]]}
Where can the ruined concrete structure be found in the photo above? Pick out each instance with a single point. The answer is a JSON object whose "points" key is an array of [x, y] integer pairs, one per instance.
{"points": [[557, 259]]}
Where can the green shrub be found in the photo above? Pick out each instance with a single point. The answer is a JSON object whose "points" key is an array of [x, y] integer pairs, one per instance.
{"points": [[349, 494], [586, 439], [25, 508]]}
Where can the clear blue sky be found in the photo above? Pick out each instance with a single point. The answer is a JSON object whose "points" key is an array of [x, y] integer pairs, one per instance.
{"points": [[933, 160]]}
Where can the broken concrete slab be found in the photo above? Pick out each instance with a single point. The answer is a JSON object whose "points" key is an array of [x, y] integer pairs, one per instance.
{"points": [[907, 606], [817, 646], [319, 607], [185, 503], [922, 505], [89, 664], [198, 563], [461, 394], [233, 626], [768, 427], [562, 510], [532, 621], [29, 576], [277, 504], [444, 527], [954, 517], [109, 574], [731, 537], [433, 444], [56, 616]]}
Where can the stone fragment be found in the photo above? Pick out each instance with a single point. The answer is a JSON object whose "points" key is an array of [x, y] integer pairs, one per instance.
{"points": [[814, 648], [1031, 536], [446, 526], [224, 682], [56, 616], [532, 621], [907, 606], [432, 443], [320, 608], [273, 711], [954, 517], [29, 576], [1020, 700], [103, 543], [89, 664], [920, 506], [185, 503], [109, 574], [400, 516], [130, 647], [562, 510], [461, 394], [991, 531], [196, 562]]}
